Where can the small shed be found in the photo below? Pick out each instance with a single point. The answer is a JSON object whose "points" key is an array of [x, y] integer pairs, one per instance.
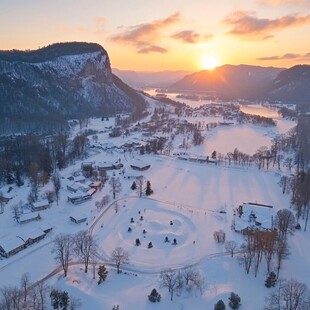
{"points": [[40, 205], [78, 218], [140, 165], [28, 217]]}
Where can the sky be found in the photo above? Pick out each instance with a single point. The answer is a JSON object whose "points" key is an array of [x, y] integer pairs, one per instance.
{"points": [[146, 35]]}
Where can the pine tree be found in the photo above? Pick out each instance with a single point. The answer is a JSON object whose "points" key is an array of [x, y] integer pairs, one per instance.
{"points": [[133, 185], [64, 300], [148, 190], [220, 305], [271, 280], [102, 273], [154, 296], [234, 301]]}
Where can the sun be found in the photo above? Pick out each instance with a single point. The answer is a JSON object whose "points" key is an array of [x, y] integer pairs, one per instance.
{"points": [[209, 62]]}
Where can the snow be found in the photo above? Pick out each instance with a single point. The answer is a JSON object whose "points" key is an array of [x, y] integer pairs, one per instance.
{"points": [[198, 198]]}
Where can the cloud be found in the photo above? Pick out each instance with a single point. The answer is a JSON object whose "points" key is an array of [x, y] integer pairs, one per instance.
{"points": [[280, 2], [287, 56], [151, 49], [190, 36], [246, 24], [68, 29], [99, 25], [144, 37]]}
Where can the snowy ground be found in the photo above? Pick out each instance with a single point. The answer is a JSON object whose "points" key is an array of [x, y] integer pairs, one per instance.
{"points": [[189, 194]]}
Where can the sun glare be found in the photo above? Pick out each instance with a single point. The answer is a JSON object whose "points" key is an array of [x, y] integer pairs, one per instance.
{"points": [[209, 62]]}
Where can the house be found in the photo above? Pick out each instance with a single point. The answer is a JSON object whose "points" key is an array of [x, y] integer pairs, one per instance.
{"points": [[140, 165], [105, 166], [254, 216], [78, 197], [28, 217], [77, 219], [73, 187], [40, 205], [32, 236], [11, 246]]}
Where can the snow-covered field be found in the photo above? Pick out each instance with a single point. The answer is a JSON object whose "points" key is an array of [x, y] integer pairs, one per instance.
{"points": [[198, 198]]}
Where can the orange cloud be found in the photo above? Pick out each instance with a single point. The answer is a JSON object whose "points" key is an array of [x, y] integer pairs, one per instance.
{"points": [[190, 36], [65, 28], [279, 2], [145, 36], [246, 24], [99, 24], [287, 56]]}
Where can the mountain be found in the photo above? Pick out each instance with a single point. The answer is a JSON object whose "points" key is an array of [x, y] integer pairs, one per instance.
{"points": [[230, 81], [291, 85], [141, 79], [59, 82]]}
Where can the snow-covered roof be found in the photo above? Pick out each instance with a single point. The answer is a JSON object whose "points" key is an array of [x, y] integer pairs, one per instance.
{"points": [[27, 216], [10, 244], [36, 233], [41, 203], [139, 164]]}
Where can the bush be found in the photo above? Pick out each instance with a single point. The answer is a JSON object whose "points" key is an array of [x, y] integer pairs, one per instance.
{"points": [[138, 242], [150, 245], [154, 296]]}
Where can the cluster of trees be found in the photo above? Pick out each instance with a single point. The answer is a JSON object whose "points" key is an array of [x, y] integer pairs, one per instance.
{"points": [[35, 296], [22, 156], [83, 246], [271, 245], [175, 281], [289, 295]]}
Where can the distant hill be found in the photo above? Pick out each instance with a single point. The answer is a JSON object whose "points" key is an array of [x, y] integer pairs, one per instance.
{"points": [[230, 81], [141, 79], [59, 82], [291, 86]]}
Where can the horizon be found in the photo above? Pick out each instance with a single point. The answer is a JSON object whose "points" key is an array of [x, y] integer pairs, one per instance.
{"points": [[179, 36]]}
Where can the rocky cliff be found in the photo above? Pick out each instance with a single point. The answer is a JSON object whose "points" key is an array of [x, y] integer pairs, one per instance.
{"points": [[59, 82]]}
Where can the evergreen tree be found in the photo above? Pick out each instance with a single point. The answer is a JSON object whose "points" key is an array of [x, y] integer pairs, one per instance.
{"points": [[64, 300], [234, 301], [133, 185], [220, 305], [154, 296], [148, 190], [102, 273], [271, 280]]}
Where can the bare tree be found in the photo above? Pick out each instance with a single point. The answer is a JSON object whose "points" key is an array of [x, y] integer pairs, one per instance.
{"points": [[57, 185], [231, 247], [25, 286], [62, 249], [84, 246], [282, 252], [219, 236], [34, 182], [116, 186], [193, 278], [119, 256], [169, 280], [103, 202], [285, 222]]}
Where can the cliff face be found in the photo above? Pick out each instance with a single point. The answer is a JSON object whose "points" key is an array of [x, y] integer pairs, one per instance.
{"points": [[65, 80]]}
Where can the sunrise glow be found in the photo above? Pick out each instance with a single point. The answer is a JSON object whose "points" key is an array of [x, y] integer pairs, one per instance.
{"points": [[209, 63]]}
